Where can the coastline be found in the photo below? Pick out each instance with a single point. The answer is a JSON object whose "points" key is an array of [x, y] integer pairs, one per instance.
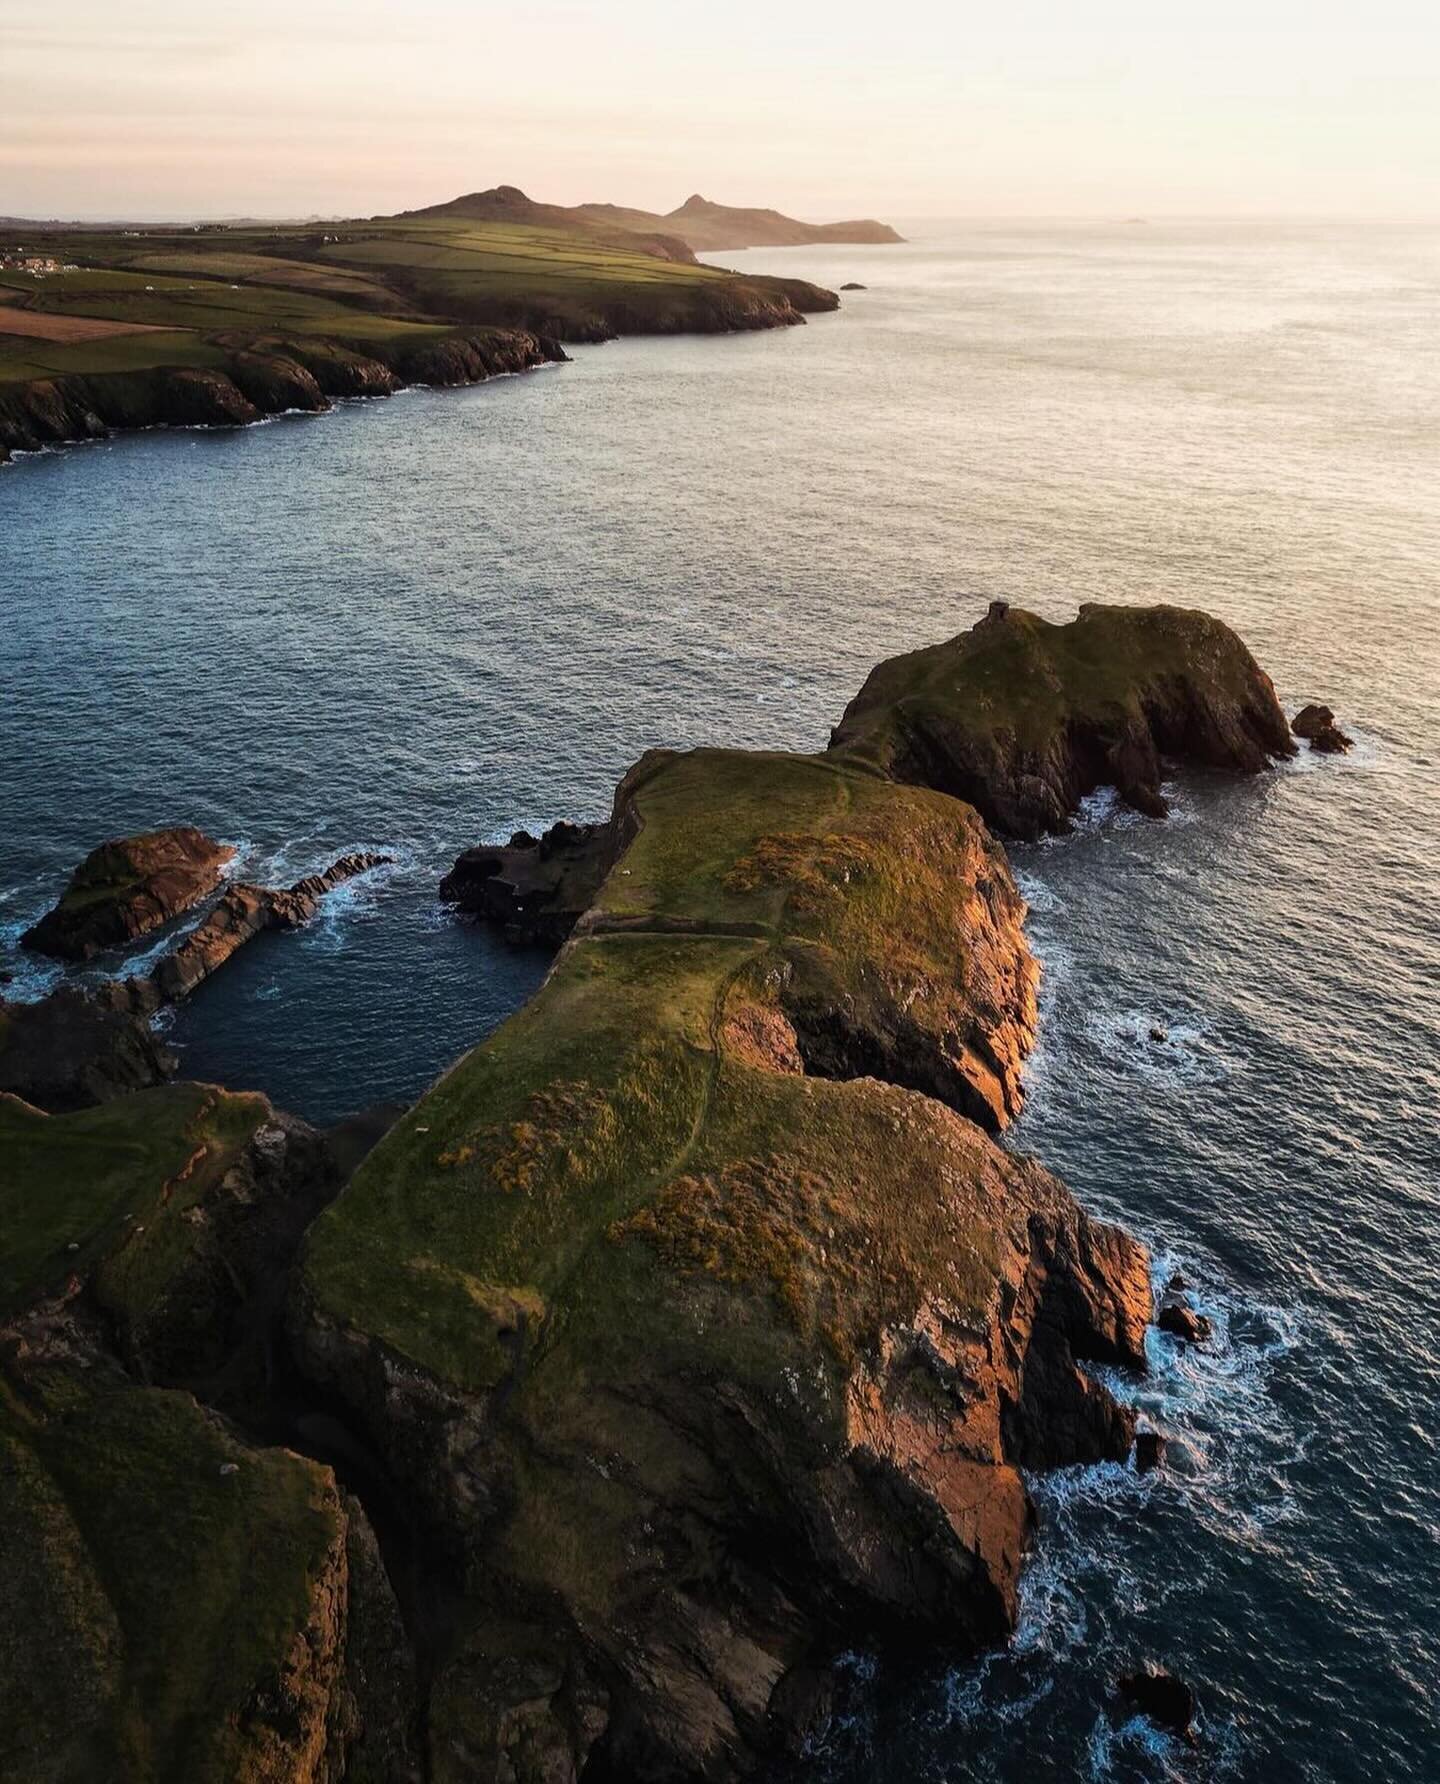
{"points": [[271, 376], [709, 1251]]}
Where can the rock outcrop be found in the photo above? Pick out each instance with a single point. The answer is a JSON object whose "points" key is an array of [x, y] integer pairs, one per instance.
{"points": [[126, 888], [1024, 718], [268, 376], [243, 912], [1316, 724], [695, 1318], [533, 888], [180, 1601], [69, 1050], [1161, 1698]]}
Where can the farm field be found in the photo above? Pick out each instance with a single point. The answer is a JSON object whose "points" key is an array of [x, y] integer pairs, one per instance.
{"points": [[195, 296]]}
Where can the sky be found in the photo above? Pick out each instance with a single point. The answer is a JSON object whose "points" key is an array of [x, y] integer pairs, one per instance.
{"points": [[168, 109]]}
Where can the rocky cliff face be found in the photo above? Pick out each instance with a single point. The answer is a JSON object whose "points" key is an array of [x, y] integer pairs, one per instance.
{"points": [[1024, 718], [696, 1317], [266, 377], [69, 1051], [179, 1601]]}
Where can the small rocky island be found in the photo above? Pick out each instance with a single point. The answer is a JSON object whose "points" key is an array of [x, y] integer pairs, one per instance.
{"points": [[691, 1331]]}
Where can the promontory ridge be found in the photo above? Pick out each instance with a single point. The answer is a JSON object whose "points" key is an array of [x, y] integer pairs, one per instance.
{"points": [[693, 1330], [105, 328]]}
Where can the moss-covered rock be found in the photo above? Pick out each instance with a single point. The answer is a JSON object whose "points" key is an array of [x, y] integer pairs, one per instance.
{"points": [[69, 1051], [1023, 718], [171, 1213], [177, 1603]]}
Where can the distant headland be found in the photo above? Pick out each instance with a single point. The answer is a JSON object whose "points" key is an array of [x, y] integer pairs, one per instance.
{"points": [[106, 327]]}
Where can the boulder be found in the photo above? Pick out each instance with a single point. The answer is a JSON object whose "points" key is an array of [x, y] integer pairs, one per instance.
{"points": [[852, 285], [1182, 1321], [127, 888], [1149, 1451], [1161, 1698], [1317, 725]]}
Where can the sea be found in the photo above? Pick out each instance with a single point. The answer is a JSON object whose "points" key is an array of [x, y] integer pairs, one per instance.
{"points": [[418, 624]]}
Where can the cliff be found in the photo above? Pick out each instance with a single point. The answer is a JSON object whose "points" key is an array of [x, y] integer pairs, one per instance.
{"points": [[179, 1601], [267, 377], [696, 1318], [221, 326], [721, 1330]]}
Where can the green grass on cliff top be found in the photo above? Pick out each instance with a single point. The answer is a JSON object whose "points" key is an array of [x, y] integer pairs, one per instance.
{"points": [[370, 282], [490, 1210], [115, 1182], [1027, 676], [152, 1603]]}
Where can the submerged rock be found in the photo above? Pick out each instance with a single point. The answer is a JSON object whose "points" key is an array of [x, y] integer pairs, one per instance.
{"points": [[1149, 1451], [1317, 725], [852, 285], [1164, 1699], [126, 888]]}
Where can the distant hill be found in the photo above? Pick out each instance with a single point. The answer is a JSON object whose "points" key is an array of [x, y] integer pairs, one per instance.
{"points": [[698, 225], [508, 204], [706, 225]]}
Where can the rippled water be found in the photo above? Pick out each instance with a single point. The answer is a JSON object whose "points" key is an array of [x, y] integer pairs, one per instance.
{"points": [[418, 623]]}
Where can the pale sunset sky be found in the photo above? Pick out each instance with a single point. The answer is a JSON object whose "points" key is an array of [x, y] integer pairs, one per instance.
{"points": [[159, 109]]}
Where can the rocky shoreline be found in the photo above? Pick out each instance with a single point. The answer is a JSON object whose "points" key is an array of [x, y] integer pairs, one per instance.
{"points": [[281, 378], [264, 377], [696, 1319]]}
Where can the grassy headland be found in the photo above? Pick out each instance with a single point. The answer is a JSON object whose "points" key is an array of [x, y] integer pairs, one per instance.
{"points": [[358, 307]]}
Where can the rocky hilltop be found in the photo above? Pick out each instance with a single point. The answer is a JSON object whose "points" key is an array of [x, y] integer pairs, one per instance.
{"points": [[691, 1331]]}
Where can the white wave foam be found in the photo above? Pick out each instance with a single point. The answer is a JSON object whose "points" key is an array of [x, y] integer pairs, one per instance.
{"points": [[1165, 1047], [1369, 752], [1039, 894]]}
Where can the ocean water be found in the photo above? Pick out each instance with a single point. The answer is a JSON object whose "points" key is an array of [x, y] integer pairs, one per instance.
{"points": [[417, 624]]}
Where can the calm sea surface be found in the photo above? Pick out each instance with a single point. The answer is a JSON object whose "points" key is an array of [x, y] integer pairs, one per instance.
{"points": [[420, 623]]}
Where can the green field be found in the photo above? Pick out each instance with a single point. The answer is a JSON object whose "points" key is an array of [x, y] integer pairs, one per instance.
{"points": [[365, 284]]}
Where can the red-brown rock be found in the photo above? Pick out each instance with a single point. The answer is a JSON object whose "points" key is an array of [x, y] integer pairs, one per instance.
{"points": [[128, 887]]}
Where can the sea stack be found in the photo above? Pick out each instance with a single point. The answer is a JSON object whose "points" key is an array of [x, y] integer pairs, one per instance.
{"points": [[126, 888]]}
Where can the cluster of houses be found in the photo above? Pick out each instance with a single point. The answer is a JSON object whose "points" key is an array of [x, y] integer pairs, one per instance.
{"points": [[16, 260]]}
